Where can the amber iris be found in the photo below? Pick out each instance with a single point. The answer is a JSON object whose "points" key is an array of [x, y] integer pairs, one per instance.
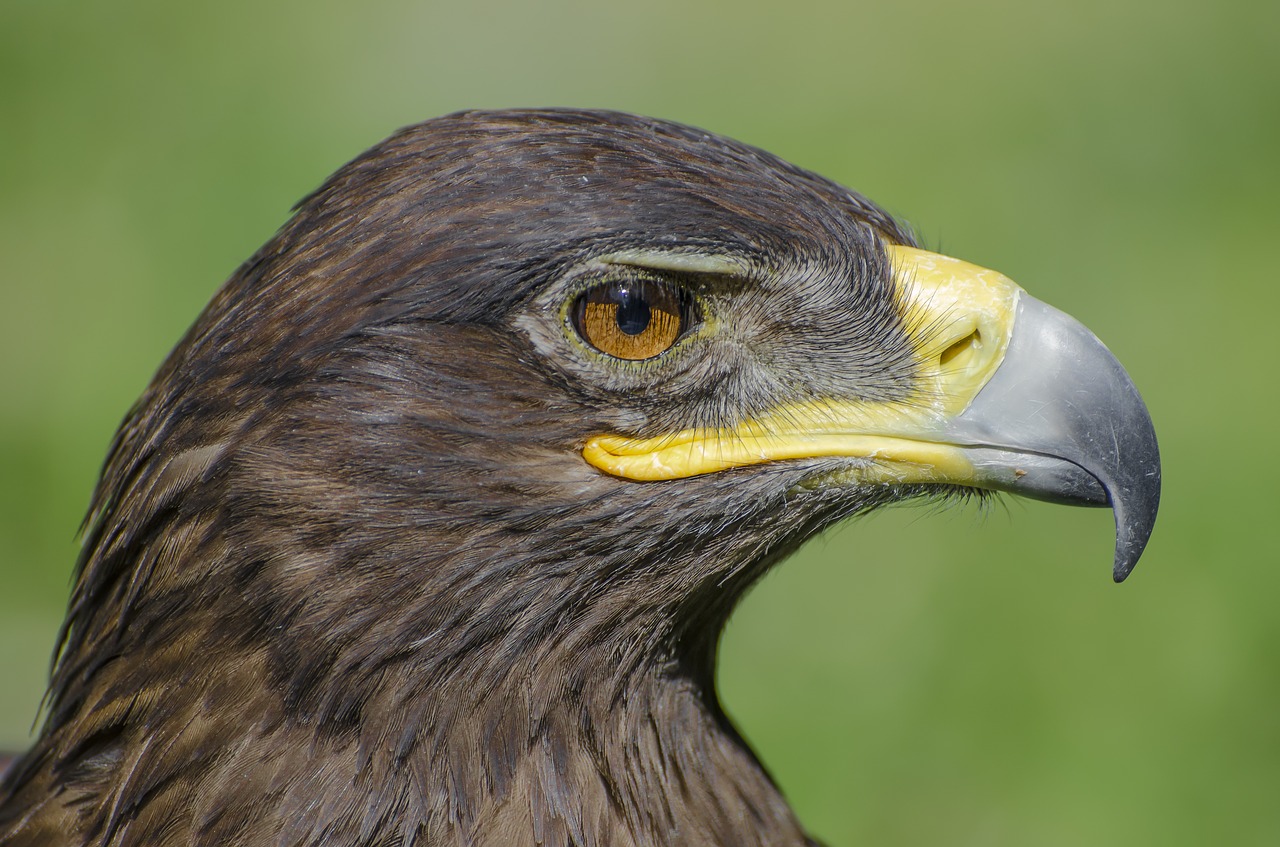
{"points": [[632, 318]]}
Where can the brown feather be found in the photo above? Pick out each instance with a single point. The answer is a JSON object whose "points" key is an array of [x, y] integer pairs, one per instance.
{"points": [[346, 579]]}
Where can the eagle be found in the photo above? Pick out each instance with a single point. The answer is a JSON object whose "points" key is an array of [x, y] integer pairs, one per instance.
{"points": [[426, 531]]}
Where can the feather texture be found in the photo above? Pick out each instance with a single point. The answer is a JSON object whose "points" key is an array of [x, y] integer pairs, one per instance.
{"points": [[346, 579]]}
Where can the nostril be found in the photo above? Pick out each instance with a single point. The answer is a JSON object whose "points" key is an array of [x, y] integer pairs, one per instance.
{"points": [[972, 341]]}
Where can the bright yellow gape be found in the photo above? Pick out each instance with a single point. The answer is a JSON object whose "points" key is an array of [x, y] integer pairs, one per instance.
{"points": [[959, 317]]}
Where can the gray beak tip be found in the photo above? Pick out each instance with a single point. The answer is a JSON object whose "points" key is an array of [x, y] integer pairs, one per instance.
{"points": [[1136, 512], [1062, 402]]}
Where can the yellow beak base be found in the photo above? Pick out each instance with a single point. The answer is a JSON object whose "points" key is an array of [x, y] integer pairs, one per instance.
{"points": [[960, 319]]}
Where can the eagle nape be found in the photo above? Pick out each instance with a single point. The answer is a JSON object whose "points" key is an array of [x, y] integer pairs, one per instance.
{"points": [[425, 533]]}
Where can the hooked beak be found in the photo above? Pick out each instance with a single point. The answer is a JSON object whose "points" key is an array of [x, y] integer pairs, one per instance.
{"points": [[1014, 396], [1065, 417]]}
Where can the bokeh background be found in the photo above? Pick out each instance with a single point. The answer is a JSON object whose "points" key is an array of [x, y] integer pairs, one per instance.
{"points": [[968, 677]]}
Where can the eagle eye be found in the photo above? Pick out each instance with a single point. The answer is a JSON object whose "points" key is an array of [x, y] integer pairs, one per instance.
{"points": [[633, 317]]}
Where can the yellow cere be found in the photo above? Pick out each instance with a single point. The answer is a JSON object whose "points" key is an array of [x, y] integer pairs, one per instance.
{"points": [[960, 318]]}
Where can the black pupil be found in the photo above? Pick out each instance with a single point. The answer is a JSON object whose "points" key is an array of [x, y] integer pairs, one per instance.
{"points": [[633, 311]]}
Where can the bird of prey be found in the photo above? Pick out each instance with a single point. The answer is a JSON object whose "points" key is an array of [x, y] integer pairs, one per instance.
{"points": [[425, 532]]}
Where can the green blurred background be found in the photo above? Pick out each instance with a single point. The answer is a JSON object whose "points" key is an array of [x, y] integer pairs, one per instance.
{"points": [[964, 678]]}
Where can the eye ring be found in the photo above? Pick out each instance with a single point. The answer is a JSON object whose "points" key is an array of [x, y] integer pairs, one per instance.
{"points": [[633, 317]]}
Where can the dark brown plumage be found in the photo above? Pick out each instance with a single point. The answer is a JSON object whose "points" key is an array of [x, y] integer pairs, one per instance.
{"points": [[347, 578]]}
